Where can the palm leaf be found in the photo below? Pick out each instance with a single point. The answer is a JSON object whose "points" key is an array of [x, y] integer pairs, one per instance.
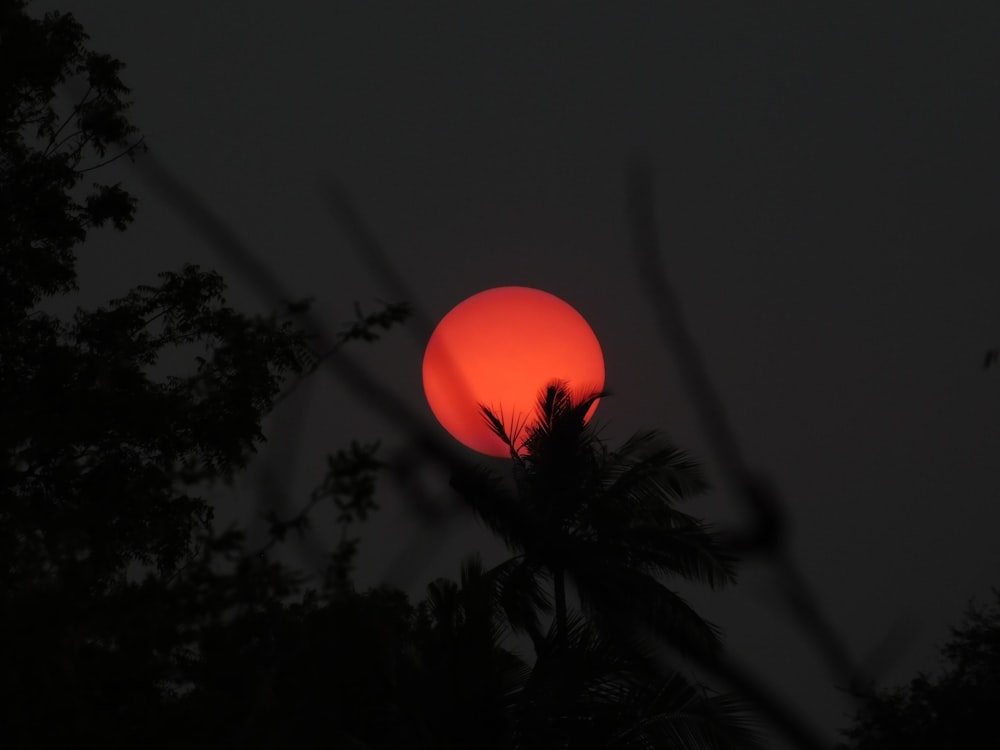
{"points": [[484, 492], [573, 697], [621, 599], [559, 430], [509, 434], [520, 595], [692, 553], [594, 693], [647, 461], [676, 713]]}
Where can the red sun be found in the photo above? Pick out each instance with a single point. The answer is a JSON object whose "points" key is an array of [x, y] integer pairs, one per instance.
{"points": [[500, 348]]}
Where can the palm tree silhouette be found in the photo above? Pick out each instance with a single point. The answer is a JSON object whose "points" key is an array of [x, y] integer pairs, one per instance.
{"points": [[584, 691], [588, 692], [603, 519], [468, 677]]}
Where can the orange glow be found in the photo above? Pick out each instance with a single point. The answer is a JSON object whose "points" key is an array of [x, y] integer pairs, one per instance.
{"points": [[500, 348]]}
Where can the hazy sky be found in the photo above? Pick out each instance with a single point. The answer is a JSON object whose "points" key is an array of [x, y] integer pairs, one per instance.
{"points": [[828, 182]]}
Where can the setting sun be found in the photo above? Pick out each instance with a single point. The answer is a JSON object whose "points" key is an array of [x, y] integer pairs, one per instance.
{"points": [[499, 348]]}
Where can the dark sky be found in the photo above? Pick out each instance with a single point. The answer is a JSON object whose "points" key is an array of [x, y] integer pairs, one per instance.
{"points": [[828, 181]]}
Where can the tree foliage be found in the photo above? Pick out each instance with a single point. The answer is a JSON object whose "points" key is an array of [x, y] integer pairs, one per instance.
{"points": [[113, 425], [954, 708], [606, 518], [46, 209], [606, 522]]}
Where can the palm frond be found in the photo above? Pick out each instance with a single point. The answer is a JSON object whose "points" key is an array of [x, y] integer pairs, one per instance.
{"points": [[484, 492], [645, 503], [560, 426], [442, 609], [509, 434], [594, 693], [521, 596], [677, 713], [588, 655], [646, 461], [472, 573], [618, 598], [573, 697], [693, 553]]}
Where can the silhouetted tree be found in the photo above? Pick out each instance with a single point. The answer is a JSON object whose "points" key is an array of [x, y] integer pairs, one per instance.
{"points": [[581, 691], [955, 708], [472, 677], [587, 691], [45, 154], [112, 426], [606, 521], [607, 518]]}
